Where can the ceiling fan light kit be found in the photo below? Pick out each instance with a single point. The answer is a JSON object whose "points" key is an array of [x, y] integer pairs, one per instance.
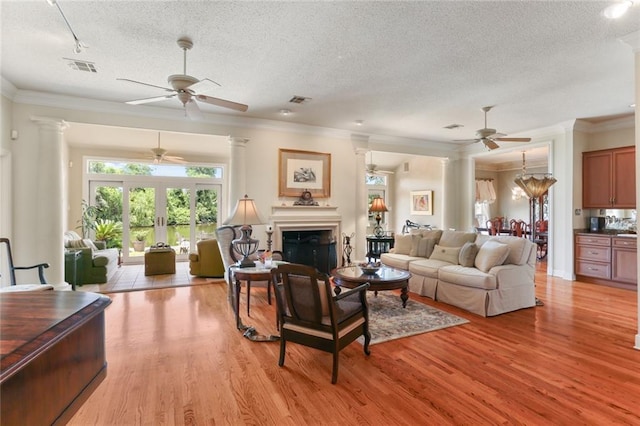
{"points": [[188, 89], [617, 10]]}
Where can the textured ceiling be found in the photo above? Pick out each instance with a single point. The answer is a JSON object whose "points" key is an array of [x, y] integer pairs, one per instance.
{"points": [[407, 69]]}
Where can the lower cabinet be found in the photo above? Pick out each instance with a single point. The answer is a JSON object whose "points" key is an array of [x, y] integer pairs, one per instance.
{"points": [[606, 260], [624, 262]]}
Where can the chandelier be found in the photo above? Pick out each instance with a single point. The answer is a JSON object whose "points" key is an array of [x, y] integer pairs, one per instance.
{"points": [[534, 184]]}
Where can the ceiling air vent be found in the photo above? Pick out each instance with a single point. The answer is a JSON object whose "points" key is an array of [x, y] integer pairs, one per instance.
{"points": [[299, 99], [453, 126], [81, 65]]}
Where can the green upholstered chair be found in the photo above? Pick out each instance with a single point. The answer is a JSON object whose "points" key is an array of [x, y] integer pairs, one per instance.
{"points": [[207, 262]]}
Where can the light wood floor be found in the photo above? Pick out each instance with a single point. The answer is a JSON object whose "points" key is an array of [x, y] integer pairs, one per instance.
{"points": [[175, 357]]}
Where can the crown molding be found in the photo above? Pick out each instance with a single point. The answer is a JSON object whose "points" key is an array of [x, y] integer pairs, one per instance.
{"points": [[7, 89]]}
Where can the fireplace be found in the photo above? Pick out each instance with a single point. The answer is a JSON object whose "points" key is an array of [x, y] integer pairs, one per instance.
{"points": [[311, 232], [315, 248]]}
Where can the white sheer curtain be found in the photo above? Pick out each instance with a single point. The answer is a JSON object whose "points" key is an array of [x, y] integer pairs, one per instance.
{"points": [[485, 195]]}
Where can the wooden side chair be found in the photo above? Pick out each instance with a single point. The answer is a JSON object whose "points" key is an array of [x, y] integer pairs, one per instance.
{"points": [[494, 225], [14, 286], [311, 315], [519, 228]]}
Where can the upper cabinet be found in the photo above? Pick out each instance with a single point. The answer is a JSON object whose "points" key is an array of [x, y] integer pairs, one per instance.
{"points": [[609, 178]]}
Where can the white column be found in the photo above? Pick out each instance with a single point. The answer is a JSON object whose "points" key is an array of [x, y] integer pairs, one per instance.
{"points": [[362, 201], [447, 220], [633, 40], [48, 200], [237, 171]]}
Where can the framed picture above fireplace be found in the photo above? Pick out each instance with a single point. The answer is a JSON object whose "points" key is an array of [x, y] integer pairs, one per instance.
{"points": [[422, 202], [302, 171]]}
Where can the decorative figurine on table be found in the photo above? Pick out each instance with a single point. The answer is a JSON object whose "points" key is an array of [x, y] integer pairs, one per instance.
{"points": [[306, 199], [347, 249]]}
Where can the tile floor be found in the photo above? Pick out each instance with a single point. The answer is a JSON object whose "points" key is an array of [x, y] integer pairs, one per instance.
{"points": [[132, 278]]}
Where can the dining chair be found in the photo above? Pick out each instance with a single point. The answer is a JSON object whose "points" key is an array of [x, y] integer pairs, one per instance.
{"points": [[494, 225], [14, 286], [519, 228]]}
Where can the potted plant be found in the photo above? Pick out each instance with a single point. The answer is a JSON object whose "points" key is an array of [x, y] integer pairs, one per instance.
{"points": [[139, 242], [107, 230]]}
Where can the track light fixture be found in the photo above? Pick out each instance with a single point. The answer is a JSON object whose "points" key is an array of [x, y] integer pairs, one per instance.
{"points": [[79, 46]]}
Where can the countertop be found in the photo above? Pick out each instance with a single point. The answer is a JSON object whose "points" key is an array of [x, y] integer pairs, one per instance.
{"points": [[607, 233]]}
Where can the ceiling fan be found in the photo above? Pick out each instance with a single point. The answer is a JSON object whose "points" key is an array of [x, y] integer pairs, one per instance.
{"points": [[160, 154], [489, 136], [188, 89], [372, 168]]}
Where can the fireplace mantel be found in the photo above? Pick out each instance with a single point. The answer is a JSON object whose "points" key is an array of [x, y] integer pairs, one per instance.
{"points": [[305, 218]]}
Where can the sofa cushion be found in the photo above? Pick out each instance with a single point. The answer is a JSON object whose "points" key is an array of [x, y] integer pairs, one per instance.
{"points": [[446, 254], [467, 277], [402, 244], [492, 253], [88, 243], [468, 254], [422, 246], [427, 267], [74, 244], [398, 261], [519, 249], [456, 238]]}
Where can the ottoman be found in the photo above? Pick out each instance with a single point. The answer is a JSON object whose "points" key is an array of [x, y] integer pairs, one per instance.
{"points": [[159, 261]]}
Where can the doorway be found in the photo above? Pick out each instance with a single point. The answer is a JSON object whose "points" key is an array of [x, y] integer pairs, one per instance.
{"points": [[176, 211]]}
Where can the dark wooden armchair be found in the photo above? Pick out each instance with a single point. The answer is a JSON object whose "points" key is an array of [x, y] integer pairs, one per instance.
{"points": [[12, 272], [310, 314]]}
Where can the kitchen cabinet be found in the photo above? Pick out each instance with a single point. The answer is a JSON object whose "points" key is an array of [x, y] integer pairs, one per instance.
{"points": [[609, 178], [593, 256], [624, 261], [606, 259]]}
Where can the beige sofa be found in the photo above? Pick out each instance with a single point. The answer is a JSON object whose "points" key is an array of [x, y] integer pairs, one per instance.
{"points": [[484, 275]]}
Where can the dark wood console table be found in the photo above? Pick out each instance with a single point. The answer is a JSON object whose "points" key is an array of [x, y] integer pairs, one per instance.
{"points": [[52, 348], [378, 245]]}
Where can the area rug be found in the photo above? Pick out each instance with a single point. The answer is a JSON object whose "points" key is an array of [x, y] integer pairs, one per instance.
{"points": [[388, 320]]}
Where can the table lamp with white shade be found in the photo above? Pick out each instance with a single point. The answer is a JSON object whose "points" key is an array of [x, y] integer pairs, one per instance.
{"points": [[245, 214]]}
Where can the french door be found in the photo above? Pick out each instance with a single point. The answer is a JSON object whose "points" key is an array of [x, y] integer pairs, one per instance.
{"points": [[173, 212]]}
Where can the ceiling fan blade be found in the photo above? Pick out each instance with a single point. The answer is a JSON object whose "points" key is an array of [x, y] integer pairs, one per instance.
{"points": [[149, 100], [174, 159], [192, 110], [490, 144], [145, 84], [467, 140], [512, 139], [222, 103], [204, 85]]}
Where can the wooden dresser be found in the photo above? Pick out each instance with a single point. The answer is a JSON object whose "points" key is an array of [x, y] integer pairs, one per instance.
{"points": [[606, 259], [52, 346]]}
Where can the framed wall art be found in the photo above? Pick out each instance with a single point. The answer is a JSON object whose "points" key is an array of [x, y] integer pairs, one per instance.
{"points": [[422, 202], [304, 171]]}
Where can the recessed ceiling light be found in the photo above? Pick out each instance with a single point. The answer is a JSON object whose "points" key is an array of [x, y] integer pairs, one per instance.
{"points": [[285, 111], [359, 122]]}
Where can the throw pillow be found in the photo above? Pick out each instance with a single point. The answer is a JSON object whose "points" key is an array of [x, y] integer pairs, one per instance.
{"points": [[415, 242], [468, 254], [446, 254], [88, 243], [492, 253], [75, 244], [402, 244], [425, 247]]}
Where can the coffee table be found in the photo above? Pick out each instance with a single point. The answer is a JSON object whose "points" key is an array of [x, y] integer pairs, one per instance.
{"points": [[385, 278]]}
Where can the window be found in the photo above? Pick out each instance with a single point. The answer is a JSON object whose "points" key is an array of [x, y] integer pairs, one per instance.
{"points": [[376, 187], [145, 169]]}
